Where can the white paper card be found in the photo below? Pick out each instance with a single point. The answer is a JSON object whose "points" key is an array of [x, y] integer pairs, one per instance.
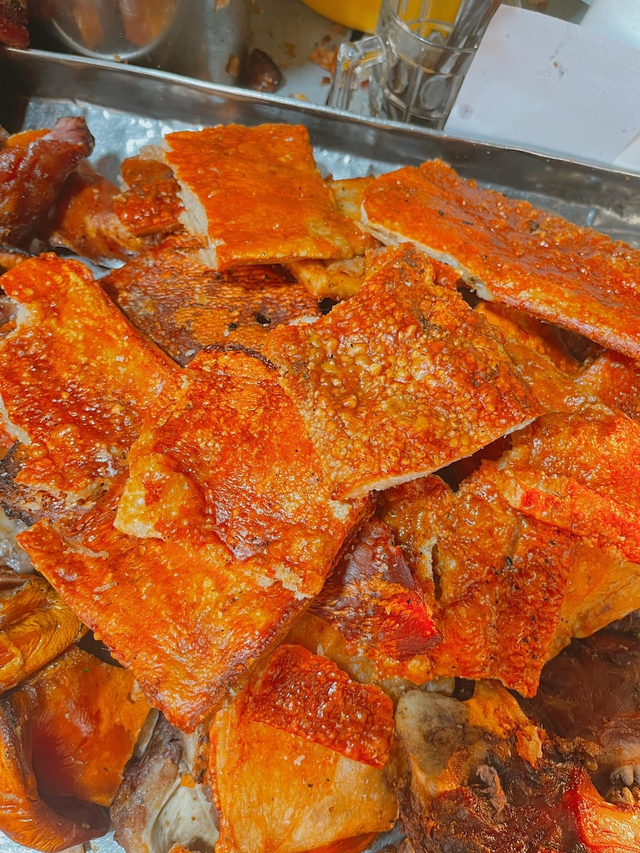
{"points": [[542, 83]]}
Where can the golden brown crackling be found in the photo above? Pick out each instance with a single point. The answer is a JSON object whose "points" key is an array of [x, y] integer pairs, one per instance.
{"points": [[230, 461], [400, 380], [260, 194], [512, 253], [307, 695], [98, 378], [189, 624]]}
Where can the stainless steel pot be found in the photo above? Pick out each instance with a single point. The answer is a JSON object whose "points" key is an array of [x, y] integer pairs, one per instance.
{"points": [[205, 39]]}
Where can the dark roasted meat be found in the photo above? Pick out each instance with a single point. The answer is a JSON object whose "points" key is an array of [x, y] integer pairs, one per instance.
{"points": [[13, 23], [33, 167]]}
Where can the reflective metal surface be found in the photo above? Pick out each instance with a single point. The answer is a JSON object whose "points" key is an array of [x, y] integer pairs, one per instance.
{"points": [[129, 107], [198, 38]]}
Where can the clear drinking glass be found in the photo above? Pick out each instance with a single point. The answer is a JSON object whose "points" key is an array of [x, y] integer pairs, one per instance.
{"points": [[414, 75]]}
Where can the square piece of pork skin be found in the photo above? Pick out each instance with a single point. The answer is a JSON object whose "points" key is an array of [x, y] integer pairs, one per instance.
{"points": [[399, 381], [254, 195], [230, 461]]}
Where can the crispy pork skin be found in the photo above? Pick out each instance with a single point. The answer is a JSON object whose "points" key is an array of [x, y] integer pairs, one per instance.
{"points": [[512, 253], [255, 195], [400, 380], [13, 23], [33, 168], [292, 756], [190, 623], [98, 378], [230, 461]]}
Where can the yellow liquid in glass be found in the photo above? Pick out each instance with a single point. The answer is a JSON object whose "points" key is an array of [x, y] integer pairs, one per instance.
{"points": [[363, 14]]}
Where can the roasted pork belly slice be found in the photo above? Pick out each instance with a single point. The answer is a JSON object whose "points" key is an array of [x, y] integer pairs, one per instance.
{"points": [[400, 380], [163, 800], [33, 169], [66, 735], [511, 253], [255, 195], [151, 205], [84, 221], [183, 306], [189, 623], [480, 776], [297, 750], [230, 461], [35, 626], [615, 379], [97, 379]]}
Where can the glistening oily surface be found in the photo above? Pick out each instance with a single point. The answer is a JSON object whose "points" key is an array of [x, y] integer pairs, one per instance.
{"points": [[343, 162], [120, 134]]}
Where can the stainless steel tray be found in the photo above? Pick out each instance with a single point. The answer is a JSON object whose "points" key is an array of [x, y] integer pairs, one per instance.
{"points": [[129, 107]]}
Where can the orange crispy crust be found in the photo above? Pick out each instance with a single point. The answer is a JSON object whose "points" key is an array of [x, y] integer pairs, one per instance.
{"points": [[35, 627], [183, 306], [399, 381], [151, 206], [308, 696], [261, 192], [501, 578], [188, 624], [97, 378], [513, 253], [615, 379], [373, 600], [230, 460], [85, 726], [330, 279], [85, 222], [554, 388], [596, 447], [277, 791]]}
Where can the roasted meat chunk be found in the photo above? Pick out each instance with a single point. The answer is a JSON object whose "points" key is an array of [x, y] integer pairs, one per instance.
{"points": [[590, 691], [479, 776], [97, 379], [292, 755], [33, 168], [189, 624], [84, 221], [66, 736], [255, 195], [35, 626], [230, 461], [372, 598], [399, 381], [183, 306], [511, 253], [164, 801], [496, 580]]}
